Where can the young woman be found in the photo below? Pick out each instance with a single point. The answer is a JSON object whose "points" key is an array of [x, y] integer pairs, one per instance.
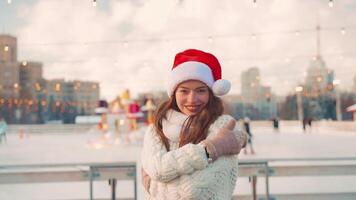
{"points": [[190, 151]]}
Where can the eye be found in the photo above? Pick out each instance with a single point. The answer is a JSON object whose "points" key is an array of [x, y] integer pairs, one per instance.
{"points": [[183, 91], [202, 90]]}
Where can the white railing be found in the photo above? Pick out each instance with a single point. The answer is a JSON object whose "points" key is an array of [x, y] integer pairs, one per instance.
{"points": [[253, 169], [44, 173], [306, 167], [50, 128]]}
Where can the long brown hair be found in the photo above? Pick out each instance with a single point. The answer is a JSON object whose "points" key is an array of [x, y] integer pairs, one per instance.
{"points": [[195, 128]]}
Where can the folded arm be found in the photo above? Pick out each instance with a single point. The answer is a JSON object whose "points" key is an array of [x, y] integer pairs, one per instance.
{"points": [[165, 166]]}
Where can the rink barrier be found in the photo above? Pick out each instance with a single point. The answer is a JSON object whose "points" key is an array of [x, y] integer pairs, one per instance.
{"points": [[45, 173], [49, 128], [294, 167], [253, 169]]}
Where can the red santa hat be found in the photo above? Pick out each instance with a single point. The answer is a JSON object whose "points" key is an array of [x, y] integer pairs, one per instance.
{"points": [[198, 65]]}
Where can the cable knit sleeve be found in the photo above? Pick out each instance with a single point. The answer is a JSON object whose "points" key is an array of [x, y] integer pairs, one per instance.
{"points": [[218, 180], [165, 166]]}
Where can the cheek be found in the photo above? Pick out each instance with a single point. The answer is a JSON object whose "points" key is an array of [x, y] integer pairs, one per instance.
{"points": [[204, 99], [179, 101]]}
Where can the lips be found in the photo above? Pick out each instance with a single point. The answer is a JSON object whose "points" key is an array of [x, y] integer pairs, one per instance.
{"points": [[192, 108]]}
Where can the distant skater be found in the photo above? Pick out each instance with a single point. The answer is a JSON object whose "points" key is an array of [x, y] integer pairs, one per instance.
{"points": [[3, 130], [304, 123], [275, 122], [309, 121], [247, 128]]}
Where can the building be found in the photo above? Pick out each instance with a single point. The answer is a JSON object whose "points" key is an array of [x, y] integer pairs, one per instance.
{"points": [[319, 80], [9, 80], [9, 69], [258, 100], [8, 49], [84, 95], [26, 97], [31, 79], [250, 84], [251, 88]]}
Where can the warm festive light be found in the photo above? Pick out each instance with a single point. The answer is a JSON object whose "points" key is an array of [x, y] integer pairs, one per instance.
{"points": [[255, 3], [336, 82], [253, 36], [38, 86], [343, 31], [210, 39], [58, 87], [299, 89], [126, 44], [331, 3], [6, 48], [24, 63]]}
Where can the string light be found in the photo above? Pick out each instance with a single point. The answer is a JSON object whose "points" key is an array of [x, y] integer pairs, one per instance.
{"points": [[126, 44], [255, 3], [210, 39], [24, 63], [6, 48], [331, 3], [253, 36], [343, 31]]}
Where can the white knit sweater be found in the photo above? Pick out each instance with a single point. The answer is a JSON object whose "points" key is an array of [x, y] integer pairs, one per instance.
{"points": [[184, 173]]}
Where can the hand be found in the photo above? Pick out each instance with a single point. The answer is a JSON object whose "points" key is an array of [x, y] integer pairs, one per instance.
{"points": [[145, 179], [224, 142]]}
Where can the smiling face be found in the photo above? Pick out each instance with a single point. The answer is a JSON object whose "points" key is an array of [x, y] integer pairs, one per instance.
{"points": [[192, 96]]}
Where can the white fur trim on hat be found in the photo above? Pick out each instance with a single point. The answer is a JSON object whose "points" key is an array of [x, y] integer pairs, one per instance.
{"points": [[190, 70], [221, 87]]}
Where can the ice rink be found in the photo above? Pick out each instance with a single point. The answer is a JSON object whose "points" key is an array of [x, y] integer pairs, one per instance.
{"points": [[92, 146]]}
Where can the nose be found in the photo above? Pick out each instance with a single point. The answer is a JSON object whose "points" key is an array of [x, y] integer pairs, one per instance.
{"points": [[192, 97]]}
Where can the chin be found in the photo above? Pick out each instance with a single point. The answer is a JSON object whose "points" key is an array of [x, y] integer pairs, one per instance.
{"points": [[190, 113]]}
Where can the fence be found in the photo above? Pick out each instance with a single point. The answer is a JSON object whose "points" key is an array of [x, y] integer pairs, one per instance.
{"points": [[254, 169], [310, 167], [113, 172]]}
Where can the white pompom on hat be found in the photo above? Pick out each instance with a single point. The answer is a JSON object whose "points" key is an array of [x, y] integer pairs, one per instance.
{"points": [[193, 64]]}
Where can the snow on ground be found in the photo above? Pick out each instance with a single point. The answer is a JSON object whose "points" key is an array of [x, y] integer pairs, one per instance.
{"points": [[96, 147]]}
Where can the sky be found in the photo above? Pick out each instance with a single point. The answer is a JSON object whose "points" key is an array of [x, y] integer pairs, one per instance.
{"points": [[131, 43]]}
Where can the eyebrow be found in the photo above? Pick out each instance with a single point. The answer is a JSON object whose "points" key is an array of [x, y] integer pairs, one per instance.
{"points": [[201, 87]]}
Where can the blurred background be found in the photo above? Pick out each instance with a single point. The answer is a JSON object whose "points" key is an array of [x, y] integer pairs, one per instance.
{"points": [[80, 80], [59, 58]]}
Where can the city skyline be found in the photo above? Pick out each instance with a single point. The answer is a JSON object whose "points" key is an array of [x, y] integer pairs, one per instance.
{"points": [[125, 44]]}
